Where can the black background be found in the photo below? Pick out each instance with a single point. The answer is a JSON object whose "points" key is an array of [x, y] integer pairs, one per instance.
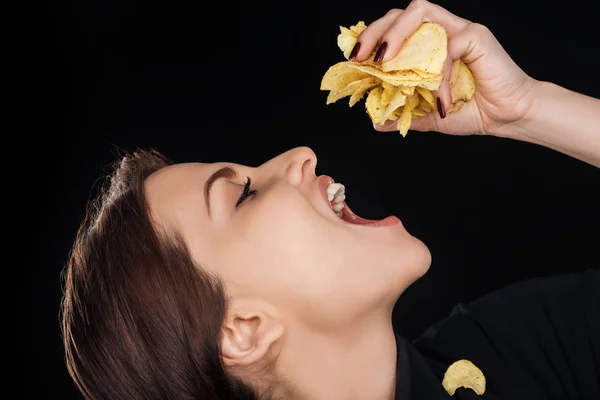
{"points": [[240, 82]]}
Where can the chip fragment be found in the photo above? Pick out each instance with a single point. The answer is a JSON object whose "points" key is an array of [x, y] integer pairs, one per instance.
{"points": [[463, 373]]}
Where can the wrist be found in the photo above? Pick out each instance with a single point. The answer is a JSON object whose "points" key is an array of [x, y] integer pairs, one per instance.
{"points": [[531, 111]]}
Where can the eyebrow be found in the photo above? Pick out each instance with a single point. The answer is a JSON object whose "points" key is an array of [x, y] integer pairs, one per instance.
{"points": [[225, 172]]}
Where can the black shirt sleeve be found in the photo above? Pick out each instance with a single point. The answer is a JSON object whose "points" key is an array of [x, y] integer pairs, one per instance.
{"points": [[536, 339]]}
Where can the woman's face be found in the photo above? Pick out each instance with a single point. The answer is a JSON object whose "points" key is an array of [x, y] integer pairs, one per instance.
{"points": [[284, 245]]}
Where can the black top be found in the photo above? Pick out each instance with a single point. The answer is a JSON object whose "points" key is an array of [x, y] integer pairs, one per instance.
{"points": [[536, 339]]}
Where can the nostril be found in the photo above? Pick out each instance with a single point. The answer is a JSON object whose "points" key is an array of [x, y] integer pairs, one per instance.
{"points": [[306, 165]]}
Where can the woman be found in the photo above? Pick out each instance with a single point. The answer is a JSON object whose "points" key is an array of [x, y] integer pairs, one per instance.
{"points": [[221, 281]]}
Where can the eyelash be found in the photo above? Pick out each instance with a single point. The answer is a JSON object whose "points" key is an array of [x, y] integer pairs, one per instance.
{"points": [[246, 192]]}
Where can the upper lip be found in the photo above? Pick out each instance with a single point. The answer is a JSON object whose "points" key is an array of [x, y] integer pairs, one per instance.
{"points": [[324, 181]]}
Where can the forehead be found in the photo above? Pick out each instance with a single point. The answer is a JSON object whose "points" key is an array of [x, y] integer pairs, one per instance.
{"points": [[176, 191]]}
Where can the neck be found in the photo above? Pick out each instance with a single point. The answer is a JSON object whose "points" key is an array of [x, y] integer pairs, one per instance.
{"points": [[357, 363]]}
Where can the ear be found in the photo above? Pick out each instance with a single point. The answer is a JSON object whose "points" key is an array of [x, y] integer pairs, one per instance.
{"points": [[248, 333]]}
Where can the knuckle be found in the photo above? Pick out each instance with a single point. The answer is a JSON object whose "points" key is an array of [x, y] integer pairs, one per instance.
{"points": [[479, 28], [419, 3], [394, 12]]}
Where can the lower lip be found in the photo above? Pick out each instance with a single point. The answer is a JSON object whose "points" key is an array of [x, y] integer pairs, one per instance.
{"points": [[349, 217]]}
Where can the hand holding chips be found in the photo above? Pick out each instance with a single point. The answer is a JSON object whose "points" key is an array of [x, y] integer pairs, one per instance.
{"points": [[400, 88]]}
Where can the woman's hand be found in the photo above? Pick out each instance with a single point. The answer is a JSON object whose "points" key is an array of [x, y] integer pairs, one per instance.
{"points": [[503, 93]]}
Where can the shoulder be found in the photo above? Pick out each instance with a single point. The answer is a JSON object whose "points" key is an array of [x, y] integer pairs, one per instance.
{"points": [[532, 339]]}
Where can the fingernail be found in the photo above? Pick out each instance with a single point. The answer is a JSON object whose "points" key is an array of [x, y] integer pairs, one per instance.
{"points": [[440, 108], [354, 51], [380, 52]]}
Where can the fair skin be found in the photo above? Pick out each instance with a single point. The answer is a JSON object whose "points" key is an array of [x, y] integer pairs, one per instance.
{"points": [[304, 285], [314, 294]]}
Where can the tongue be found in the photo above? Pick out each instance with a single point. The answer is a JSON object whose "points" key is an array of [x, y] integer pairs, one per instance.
{"points": [[349, 216]]}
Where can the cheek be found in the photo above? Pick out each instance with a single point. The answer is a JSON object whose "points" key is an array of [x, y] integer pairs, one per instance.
{"points": [[277, 247]]}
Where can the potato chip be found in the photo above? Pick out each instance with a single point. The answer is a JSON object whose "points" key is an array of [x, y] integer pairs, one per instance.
{"points": [[341, 75], [358, 28], [349, 90], [397, 101], [427, 96], [389, 91], [425, 50], [404, 120], [373, 104], [463, 373], [413, 101], [417, 113], [462, 87], [368, 83], [347, 37], [456, 106], [402, 88]]}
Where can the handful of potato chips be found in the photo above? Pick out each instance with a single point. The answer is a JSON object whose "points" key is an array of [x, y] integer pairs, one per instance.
{"points": [[401, 88]]}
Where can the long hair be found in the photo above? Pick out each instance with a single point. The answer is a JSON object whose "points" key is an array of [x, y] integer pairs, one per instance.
{"points": [[140, 319]]}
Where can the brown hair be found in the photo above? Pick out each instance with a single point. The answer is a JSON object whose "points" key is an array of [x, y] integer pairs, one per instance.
{"points": [[140, 320]]}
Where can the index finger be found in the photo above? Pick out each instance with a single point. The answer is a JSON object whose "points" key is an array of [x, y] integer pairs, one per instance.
{"points": [[417, 12]]}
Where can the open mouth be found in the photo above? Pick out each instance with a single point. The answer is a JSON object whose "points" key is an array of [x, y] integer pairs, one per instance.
{"points": [[336, 197]]}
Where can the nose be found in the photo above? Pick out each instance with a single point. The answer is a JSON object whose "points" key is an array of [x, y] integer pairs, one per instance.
{"points": [[295, 164]]}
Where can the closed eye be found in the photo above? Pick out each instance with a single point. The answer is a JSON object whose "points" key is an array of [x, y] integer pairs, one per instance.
{"points": [[247, 192]]}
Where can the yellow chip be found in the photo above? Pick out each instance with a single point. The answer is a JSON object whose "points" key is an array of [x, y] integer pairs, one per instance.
{"points": [[368, 83], [463, 373], [350, 89], [358, 28], [408, 90], [341, 75], [347, 37], [418, 113], [425, 50], [427, 96], [404, 120], [456, 106], [397, 101], [413, 101], [462, 82], [373, 104], [389, 91], [399, 89], [399, 78]]}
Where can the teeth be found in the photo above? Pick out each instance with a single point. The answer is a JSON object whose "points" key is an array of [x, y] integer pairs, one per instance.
{"points": [[336, 194], [332, 189]]}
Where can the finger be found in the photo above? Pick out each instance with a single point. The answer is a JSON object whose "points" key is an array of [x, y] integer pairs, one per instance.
{"points": [[443, 94], [426, 123], [387, 126], [370, 37], [409, 21]]}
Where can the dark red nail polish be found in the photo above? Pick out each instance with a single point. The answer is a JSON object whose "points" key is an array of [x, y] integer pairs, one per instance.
{"points": [[380, 52], [354, 51], [440, 108]]}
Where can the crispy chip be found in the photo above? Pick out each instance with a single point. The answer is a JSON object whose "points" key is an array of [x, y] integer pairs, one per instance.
{"points": [[341, 75], [389, 91], [456, 106], [358, 28], [462, 83], [368, 83], [425, 50], [463, 373], [373, 104], [397, 101], [404, 120], [427, 96], [347, 37], [349, 90], [418, 113], [401, 88]]}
